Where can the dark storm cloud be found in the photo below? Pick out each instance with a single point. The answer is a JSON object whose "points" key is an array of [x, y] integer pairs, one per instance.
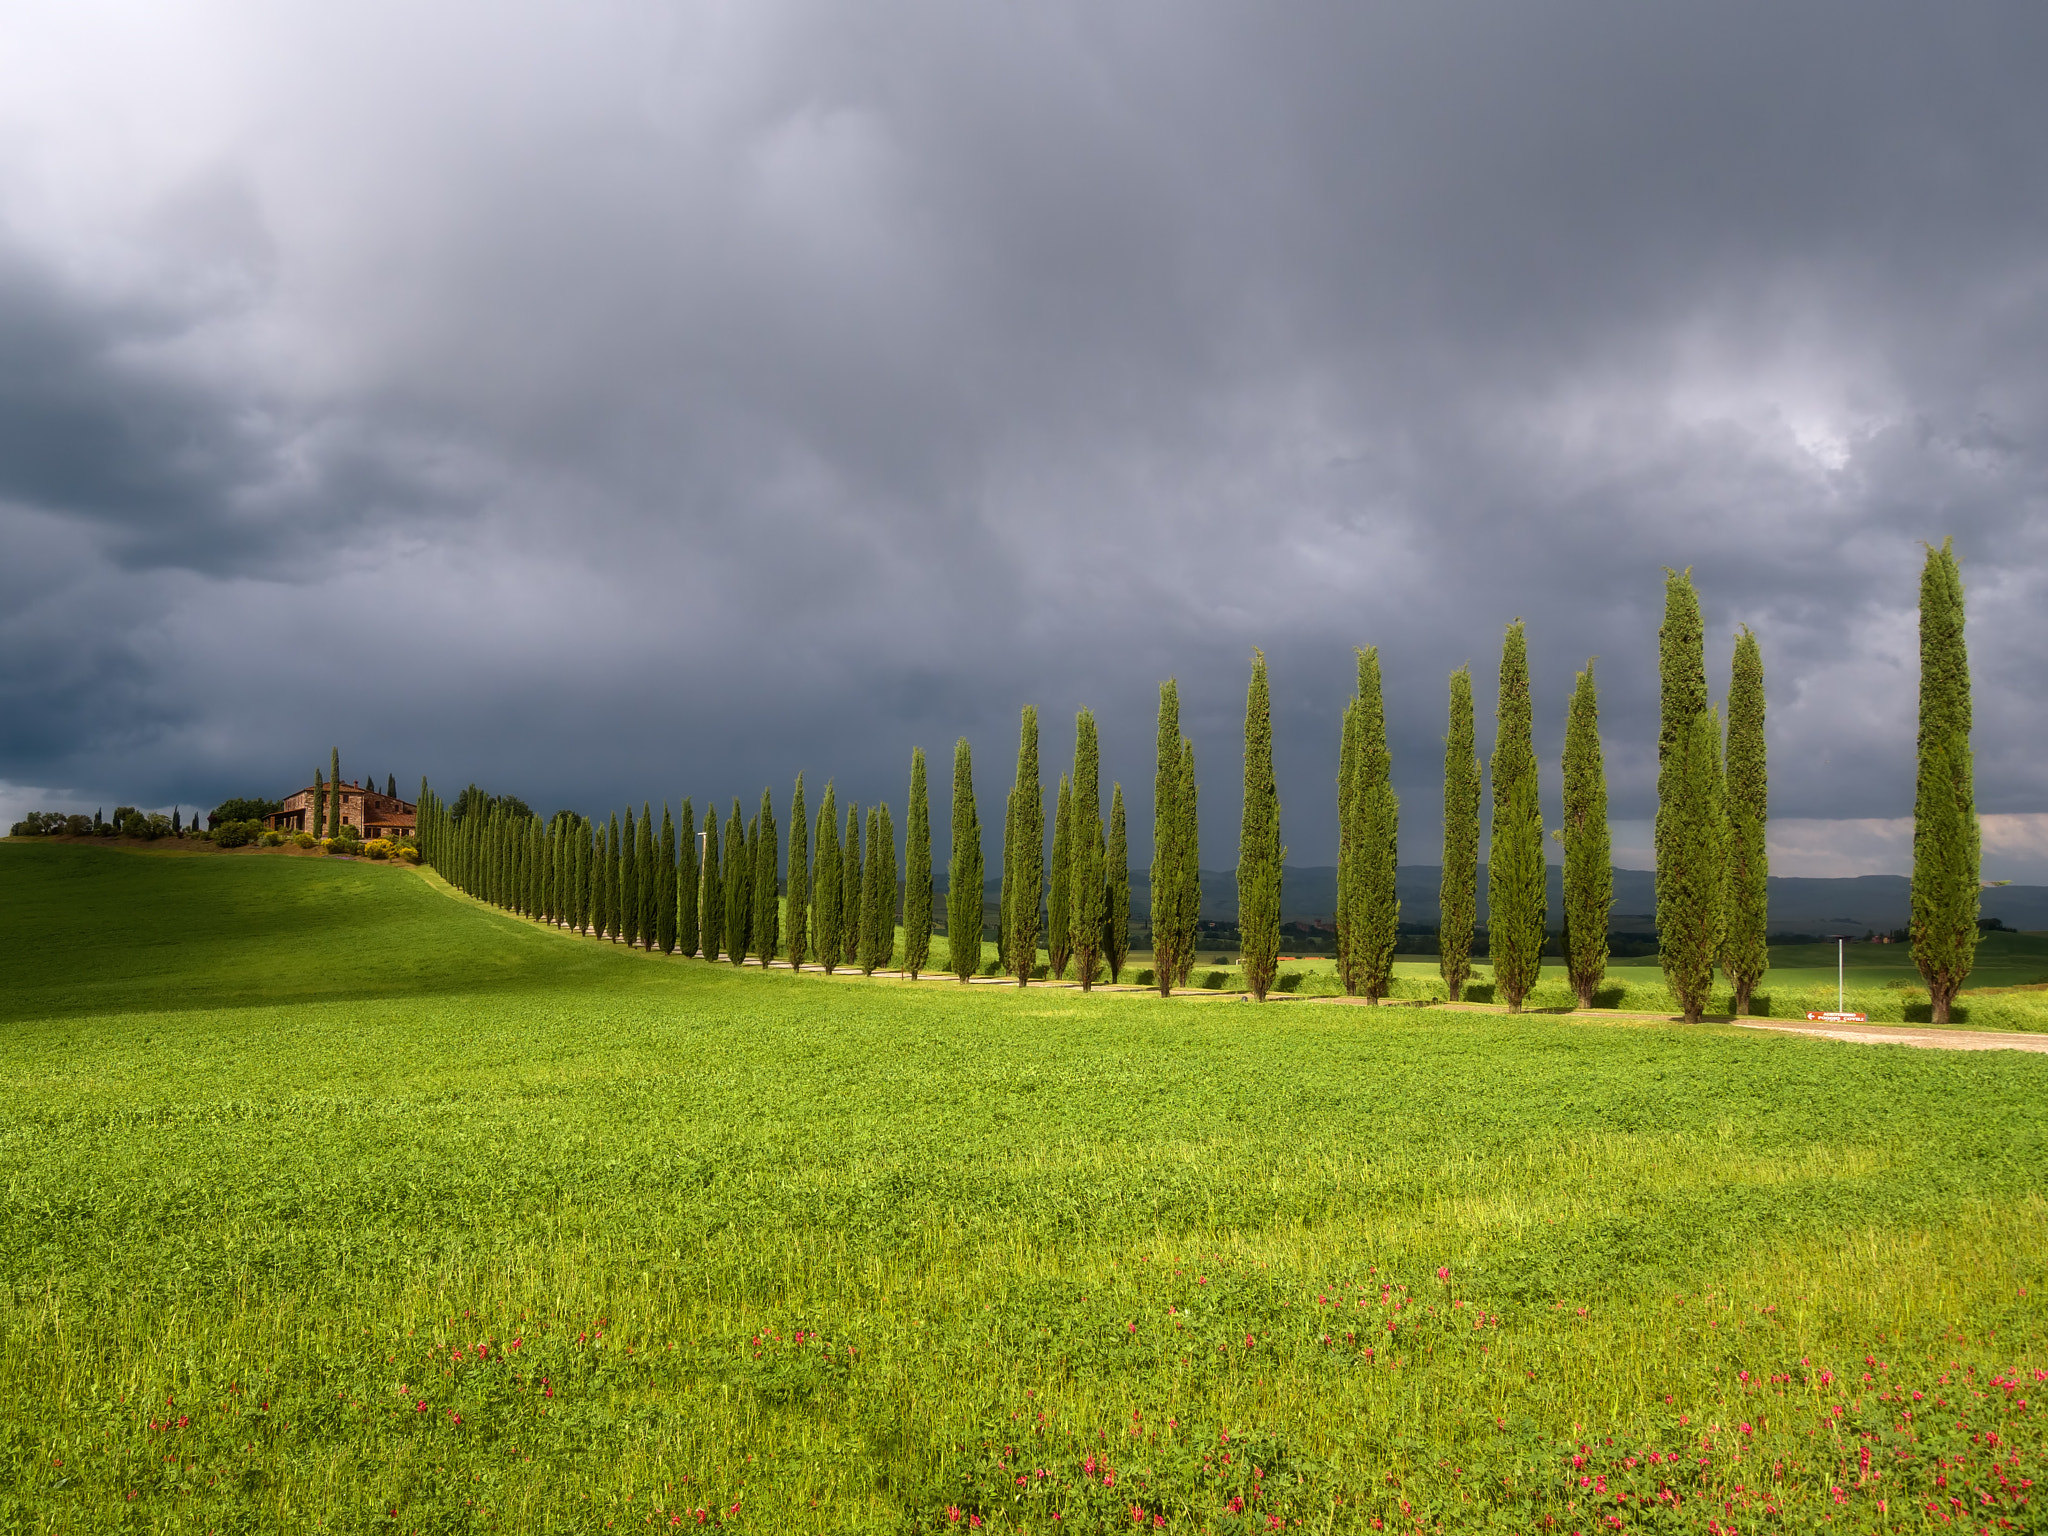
{"points": [[612, 400]]}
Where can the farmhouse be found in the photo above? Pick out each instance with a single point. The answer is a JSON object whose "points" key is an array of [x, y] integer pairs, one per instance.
{"points": [[366, 808]]}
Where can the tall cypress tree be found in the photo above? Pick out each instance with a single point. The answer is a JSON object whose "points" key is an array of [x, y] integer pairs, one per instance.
{"points": [[1027, 886], [1946, 844], [1167, 850], [917, 871], [798, 884], [1376, 815], [739, 887], [604, 881], [854, 916], [963, 870], [319, 820], [1008, 879], [1259, 854], [1189, 902], [1086, 906], [1458, 894], [885, 885], [767, 865], [579, 875], [1588, 849], [649, 881], [712, 916], [665, 885], [1116, 916], [1516, 880], [1745, 952], [334, 799], [1059, 896], [871, 904], [629, 882], [829, 884], [1349, 915], [689, 932], [1690, 826]]}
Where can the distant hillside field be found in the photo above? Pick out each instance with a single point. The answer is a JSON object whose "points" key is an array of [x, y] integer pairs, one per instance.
{"points": [[335, 1201]]}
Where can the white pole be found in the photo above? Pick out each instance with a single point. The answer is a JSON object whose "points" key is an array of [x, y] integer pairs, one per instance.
{"points": [[1841, 971]]}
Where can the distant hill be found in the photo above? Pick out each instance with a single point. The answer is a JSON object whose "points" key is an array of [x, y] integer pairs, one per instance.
{"points": [[1798, 905]]}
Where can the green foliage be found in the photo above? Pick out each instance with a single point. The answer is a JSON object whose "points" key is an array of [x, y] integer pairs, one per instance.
{"points": [[1059, 895], [665, 886], [917, 874], [1458, 894], [1588, 846], [1174, 848], [1945, 833], [714, 887], [647, 879], [1116, 934], [739, 886], [689, 926], [964, 870], [1689, 905], [1746, 908], [767, 851], [1368, 841], [1088, 904], [1009, 876], [629, 881], [1515, 880], [876, 918], [829, 885], [247, 809], [1024, 861], [1259, 854], [797, 901], [853, 890], [1642, 1216]]}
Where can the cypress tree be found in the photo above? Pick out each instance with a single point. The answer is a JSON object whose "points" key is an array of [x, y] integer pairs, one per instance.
{"points": [[1690, 825], [602, 886], [665, 886], [917, 871], [629, 882], [871, 905], [1167, 852], [851, 894], [963, 870], [767, 865], [334, 800], [1087, 906], [576, 866], [689, 931], [1945, 831], [1189, 903], [536, 865], [1059, 896], [712, 917], [1745, 952], [1116, 917], [319, 804], [1375, 903], [739, 887], [1516, 893], [1588, 849], [618, 872], [1027, 886], [798, 897], [1349, 915], [882, 849], [649, 882], [1259, 854], [1008, 877], [1458, 895], [544, 877], [829, 884]]}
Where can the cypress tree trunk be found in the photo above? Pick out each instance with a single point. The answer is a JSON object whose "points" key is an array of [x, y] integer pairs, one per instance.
{"points": [[334, 799], [1515, 876], [1009, 876], [917, 871], [1588, 848], [689, 931], [963, 870], [1086, 906], [1059, 898], [871, 904], [852, 876], [1689, 917], [1116, 918], [1379, 837], [665, 886], [767, 864], [739, 887], [1259, 854], [798, 884], [1027, 886], [1187, 905], [1167, 831], [713, 883], [1945, 831], [1745, 950], [829, 883], [1458, 896], [1690, 862]]}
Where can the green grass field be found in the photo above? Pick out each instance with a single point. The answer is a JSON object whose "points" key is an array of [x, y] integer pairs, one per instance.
{"points": [[337, 1202]]}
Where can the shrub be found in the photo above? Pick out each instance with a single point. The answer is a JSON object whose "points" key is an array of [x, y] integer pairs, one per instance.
{"points": [[1213, 982], [237, 834], [1040, 971], [378, 848], [1288, 982], [408, 854], [1148, 978], [304, 840], [270, 840]]}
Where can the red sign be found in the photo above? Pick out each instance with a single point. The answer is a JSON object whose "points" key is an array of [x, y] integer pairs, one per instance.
{"points": [[1838, 1018]]}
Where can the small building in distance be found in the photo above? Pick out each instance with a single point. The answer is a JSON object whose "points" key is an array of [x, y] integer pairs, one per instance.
{"points": [[368, 809]]}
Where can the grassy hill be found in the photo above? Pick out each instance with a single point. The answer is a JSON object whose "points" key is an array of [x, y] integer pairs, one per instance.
{"points": [[334, 1201]]}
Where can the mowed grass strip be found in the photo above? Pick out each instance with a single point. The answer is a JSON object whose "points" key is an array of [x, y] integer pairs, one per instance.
{"points": [[336, 1202]]}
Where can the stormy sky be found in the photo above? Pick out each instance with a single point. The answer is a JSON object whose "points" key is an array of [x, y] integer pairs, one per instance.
{"points": [[607, 400]]}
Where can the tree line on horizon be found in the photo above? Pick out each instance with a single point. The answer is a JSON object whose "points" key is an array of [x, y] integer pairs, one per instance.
{"points": [[830, 892]]}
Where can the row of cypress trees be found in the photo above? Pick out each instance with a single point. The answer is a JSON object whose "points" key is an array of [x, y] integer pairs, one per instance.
{"points": [[621, 880]]}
